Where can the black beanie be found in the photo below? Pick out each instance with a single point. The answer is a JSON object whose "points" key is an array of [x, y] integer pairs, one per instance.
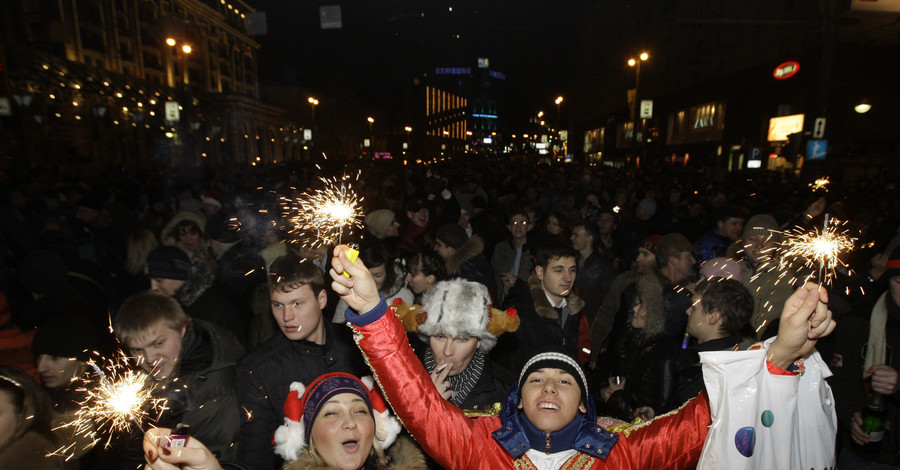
{"points": [[554, 359], [65, 337], [168, 262], [452, 235]]}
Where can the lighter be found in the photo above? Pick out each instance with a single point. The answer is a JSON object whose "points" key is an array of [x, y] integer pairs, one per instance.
{"points": [[179, 436], [352, 255]]}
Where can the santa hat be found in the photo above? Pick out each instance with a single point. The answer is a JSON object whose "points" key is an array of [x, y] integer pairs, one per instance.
{"points": [[212, 198], [304, 403], [459, 309]]}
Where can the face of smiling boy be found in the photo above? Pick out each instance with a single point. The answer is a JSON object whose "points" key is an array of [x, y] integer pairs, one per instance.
{"points": [[551, 399]]}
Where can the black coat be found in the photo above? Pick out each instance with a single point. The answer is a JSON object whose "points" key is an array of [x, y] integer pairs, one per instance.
{"points": [[650, 381], [264, 381], [689, 373]]}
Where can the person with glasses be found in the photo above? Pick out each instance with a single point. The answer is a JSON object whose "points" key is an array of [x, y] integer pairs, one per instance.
{"points": [[512, 261]]}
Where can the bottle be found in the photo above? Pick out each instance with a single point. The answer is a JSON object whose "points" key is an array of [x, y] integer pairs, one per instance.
{"points": [[874, 421]]}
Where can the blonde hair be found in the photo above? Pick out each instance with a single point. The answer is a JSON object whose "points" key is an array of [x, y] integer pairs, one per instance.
{"points": [[140, 243], [141, 312]]}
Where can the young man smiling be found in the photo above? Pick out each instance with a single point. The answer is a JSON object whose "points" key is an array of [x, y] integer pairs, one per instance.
{"points": [[549, 421], [308, 346]]}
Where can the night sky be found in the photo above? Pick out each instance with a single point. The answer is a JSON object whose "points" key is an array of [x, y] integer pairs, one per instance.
{"points": [[384, 44]]}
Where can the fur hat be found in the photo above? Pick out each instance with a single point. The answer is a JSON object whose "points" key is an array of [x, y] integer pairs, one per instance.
{"points": [[304, 403], [459, 309], [452, 235], [378, 221]]}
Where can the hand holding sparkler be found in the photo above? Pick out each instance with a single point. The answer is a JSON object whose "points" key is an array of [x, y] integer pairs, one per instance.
{"points": [[818, 249], [160, 456], [319, 217], [358, 290], [804, 320]]}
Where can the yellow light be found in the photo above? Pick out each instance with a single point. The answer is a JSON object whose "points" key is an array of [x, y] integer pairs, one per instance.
{"points": [[370, 119], [407, 129], [644, 56], [170, 41], [631, 62], [118, 94], [186, 48], [862, 108], [559, 99], [540, 114]]}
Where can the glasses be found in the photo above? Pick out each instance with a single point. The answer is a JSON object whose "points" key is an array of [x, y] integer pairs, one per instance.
{"points": [[517, 223]]}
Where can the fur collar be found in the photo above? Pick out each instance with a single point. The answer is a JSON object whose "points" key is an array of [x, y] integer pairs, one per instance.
{"points": [[403, 455], [470, 249], [202, 277], [542, 306]]}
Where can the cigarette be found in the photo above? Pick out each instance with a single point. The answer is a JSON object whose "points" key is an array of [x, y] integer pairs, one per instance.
{"points": [[564, 293], [441, 367]]}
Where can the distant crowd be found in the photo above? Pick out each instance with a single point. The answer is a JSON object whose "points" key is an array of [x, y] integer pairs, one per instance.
{"points": [[502, 276]]}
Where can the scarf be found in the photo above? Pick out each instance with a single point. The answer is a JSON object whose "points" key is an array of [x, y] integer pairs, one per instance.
{"points": [[876, 351], [462, 383]]}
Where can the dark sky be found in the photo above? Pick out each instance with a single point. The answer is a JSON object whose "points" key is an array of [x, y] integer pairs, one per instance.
{"points": [[384, 44]]}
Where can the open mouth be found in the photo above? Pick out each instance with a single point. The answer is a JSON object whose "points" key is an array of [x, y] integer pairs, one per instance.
{"points": [[351, 445], [544, 405]]}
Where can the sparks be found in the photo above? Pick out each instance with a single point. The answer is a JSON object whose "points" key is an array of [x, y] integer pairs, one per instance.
{"points": [[818, 249], [821, 183], [319, 218], [119, 401]]}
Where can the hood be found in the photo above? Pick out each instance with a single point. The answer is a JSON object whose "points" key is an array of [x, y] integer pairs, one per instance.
{"points": [[590, 438], [542, 306], [201, 278], [470, 249], [169, 238]]}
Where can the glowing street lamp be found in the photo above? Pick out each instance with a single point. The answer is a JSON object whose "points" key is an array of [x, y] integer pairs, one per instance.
{"points": [[312, 106]]}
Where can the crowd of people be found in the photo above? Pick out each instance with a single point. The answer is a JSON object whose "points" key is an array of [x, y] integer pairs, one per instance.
{"points": [[505, 309]]}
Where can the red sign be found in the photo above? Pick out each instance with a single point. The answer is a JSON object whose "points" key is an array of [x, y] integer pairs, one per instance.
{"points": [[786, 70]]}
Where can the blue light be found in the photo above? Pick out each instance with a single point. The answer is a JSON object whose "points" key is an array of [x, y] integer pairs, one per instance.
{"points": [[486, 116]]}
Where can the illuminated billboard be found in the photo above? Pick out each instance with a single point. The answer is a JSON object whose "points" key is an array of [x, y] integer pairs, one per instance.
{"points": [[781, 127]]}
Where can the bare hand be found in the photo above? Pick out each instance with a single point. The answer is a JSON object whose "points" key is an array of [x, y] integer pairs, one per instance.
{"points": [[856, 432], [816, 208], [804, 320], [646, 413], [884, 379], [194, 456], [439, 377], [359, 290]]}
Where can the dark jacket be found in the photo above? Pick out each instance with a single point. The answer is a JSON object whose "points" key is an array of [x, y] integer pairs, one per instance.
{"points": [[265, 378], [540, 326], [650, 380], [592, 283], [491, 387], [688, 372], [202, 300], [240, 270], [204, 395]]}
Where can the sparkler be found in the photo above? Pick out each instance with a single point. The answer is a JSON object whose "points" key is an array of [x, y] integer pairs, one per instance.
{"points": [[818, 249], [821, 183], [319, 217], [114, 405]]}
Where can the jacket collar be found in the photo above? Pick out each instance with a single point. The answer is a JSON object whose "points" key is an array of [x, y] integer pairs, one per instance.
{"points": [[470, 249], [542, 306], [583, 435]]}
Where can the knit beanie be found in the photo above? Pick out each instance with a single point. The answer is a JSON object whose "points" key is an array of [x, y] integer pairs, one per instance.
{"points": [[223, 228], [893, 264], [168, 262], [452, 235], [65, 337], [649, 206], [378, 221], [554, 359], [762, 225], [302, 406]]}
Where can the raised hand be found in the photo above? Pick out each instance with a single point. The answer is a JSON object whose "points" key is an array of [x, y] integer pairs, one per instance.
{"points": [[194, 456], [804, 320], [359, 290]]}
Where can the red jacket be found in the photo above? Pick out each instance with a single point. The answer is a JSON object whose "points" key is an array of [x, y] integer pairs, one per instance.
{"points": [[671, 441]]}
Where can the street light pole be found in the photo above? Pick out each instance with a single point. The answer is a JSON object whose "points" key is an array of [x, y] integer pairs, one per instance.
{"points": [[313, 102], [371, 134], [636, 63]]}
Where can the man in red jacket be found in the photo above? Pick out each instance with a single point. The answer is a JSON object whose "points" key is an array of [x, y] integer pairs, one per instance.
{"points": [[548, 422]]}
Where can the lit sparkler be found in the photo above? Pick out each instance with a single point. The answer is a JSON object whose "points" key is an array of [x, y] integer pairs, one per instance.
{"points": [[319, 217], [114, 405], [821, 183], [818, 248]]}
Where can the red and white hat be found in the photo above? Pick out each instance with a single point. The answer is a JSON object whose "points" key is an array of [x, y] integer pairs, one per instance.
{"points": [[304, 403]]}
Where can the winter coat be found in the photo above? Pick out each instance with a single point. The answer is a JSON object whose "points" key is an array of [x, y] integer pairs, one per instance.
{"points": [[540, 326], [201, 300], [169, 237], [688, 382], [592, 283], [499, 442], [606, 315], [204, 395], [502, 262], [468, 263], [264, 380], [240, 270], [711, 245], [650, 380], [402, 455], [489, 388], [29, 452]]}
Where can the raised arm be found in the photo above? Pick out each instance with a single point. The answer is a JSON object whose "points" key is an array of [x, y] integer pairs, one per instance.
{"points": [[804, 320]]}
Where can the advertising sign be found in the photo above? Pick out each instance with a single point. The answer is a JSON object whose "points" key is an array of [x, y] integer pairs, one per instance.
{"points": [[786, 70], [781, 127], [646, 109], [884, 6], [172, 114]]}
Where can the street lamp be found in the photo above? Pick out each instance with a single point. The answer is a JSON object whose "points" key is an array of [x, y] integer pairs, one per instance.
{"points": [[863, 107], [636, 63], [371, 134], [312, 106], [559, 100], [185, 50]]}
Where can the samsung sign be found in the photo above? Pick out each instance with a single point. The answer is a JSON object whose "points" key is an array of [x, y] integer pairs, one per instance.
{"points": [[786, 70]]}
